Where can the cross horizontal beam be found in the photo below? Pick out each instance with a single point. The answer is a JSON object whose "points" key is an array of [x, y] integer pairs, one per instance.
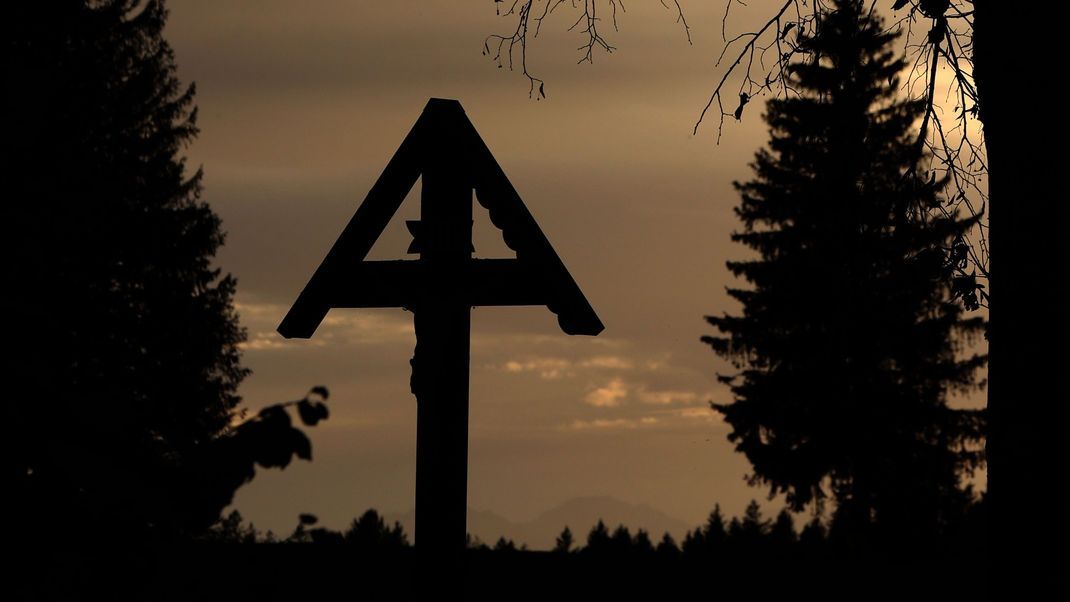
{"points": [[403, 283]]}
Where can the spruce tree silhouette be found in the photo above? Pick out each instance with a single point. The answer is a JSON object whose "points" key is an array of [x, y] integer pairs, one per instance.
{"points": [[127, 365], [667, 549], [599, 540], [782, 532], [847, 346], [714, 533], [370, 533], [564, 542]]}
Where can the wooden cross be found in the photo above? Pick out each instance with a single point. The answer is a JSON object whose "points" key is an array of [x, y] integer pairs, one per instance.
{"points": [[440, 288]]}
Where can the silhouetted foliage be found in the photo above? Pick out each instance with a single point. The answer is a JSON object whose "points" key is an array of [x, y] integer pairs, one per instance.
{"points": [[504, 545], [667, 548], [128, 363], [473, 542], [231, 529], [564, 541], [714, 533], [813, 534], [782, 532], [367, 534], [621, 540], [694, 543], [735, 530], [847, 345], [622, 564], [206, 482], [371, 532], [641, 542], [598, 539], [753, 525], [307, 532]]}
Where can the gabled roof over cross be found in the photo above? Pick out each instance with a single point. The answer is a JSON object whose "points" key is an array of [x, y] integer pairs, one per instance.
{"points": [[536, 277]]}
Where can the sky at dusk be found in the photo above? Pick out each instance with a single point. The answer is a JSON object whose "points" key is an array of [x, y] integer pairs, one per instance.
{"points": [[301, 105]]}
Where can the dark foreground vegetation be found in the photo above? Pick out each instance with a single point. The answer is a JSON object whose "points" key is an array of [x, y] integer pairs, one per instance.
{"points": [[323, 572], [749, 555]]}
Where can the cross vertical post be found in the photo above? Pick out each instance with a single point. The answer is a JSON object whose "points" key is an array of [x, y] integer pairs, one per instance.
{"points": [[440, 364]]}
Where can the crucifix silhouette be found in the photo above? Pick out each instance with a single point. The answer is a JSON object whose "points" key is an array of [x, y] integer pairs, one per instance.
{"points": [[440, 288]]}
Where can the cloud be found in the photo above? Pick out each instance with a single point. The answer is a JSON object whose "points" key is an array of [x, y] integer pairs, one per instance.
{"points": [[656, 365], [612, 362], [666, 397], [549, 368], [263, 341], [366, 327], [553, 368], [699, 413], [273, 341], [609, 396], [361, 327], [681, 418], [612, 423], [260, 311]]}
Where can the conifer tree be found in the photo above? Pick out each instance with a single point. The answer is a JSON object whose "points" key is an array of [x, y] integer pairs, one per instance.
{"points": [[714, 533], [641, 543], [694, 543], [754, 528], [128, 360], [813, 534], [564, 542], [782, 532], [667, 547], [598, 539], [847, 347]]}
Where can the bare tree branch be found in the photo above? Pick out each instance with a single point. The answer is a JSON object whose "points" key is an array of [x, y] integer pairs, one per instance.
{"points": [[502, 47], [937, 38]]}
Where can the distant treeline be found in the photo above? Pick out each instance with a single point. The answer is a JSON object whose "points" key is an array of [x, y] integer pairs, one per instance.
{"points": [[748, 556], [751, 533]]}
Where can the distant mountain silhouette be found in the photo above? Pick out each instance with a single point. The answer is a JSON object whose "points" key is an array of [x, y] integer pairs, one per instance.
{"points": [[580, 514]]}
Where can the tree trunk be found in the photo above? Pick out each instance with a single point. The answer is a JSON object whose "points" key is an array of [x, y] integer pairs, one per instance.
{"points": [[1024, 398]]}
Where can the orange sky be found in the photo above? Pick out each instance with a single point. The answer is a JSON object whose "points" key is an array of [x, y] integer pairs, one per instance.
{"points": [[300, 110]]}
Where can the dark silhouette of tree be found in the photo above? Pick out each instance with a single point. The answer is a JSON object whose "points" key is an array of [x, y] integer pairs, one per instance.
{"points": [[621, 540], [231, 529], [735, 531], [709, 539], [504, 545], [598, 539], [813, 534], [782, 531], [641, 543], [564, 542], [473, 542], [694, 544], [370, 532], [667, 548], [847, 345], [752, 530], [714, 533], [128, 363]]}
